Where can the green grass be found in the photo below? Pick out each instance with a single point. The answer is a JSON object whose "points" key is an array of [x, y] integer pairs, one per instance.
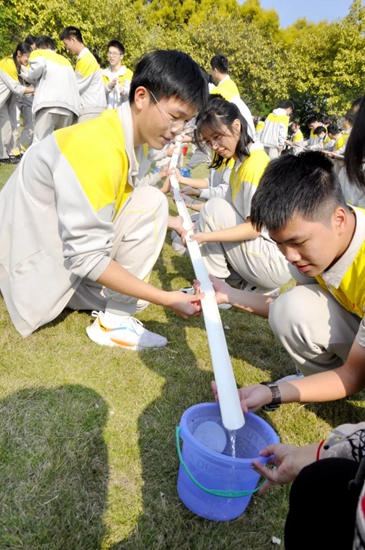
{"points": [[87, 452]]}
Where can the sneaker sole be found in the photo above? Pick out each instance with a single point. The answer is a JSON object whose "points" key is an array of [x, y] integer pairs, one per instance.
{"points": [[110, 342]]}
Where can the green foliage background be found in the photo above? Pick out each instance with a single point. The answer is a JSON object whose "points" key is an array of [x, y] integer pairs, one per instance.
{"points": [[319, 66]]}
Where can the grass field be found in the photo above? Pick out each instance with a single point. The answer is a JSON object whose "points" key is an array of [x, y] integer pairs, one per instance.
{"points": [[87, 454]]}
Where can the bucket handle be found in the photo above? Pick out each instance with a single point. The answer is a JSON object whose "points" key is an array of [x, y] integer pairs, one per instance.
{"points": [[217, 493]]}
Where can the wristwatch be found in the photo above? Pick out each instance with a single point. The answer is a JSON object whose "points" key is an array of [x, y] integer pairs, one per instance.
{"points": [[276, 397]]}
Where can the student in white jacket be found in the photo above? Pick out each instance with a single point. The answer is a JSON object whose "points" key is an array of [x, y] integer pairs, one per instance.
{"points": [[56, 101], [9, 84], [117, 78], [88, 75], [76, 233], [275, 130]]}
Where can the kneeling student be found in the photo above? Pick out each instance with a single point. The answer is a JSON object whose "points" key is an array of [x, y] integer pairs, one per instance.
{"points": [[321, 322], [76, 233]]}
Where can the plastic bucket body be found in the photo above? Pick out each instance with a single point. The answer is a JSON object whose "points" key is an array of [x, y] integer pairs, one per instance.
{"points": [[202, 469]]}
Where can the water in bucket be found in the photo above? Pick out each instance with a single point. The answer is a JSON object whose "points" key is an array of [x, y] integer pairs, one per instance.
{"points": [[211, 482]]}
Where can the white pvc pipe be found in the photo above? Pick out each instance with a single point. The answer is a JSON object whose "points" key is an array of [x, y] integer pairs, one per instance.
{"points": [[232, 415]]}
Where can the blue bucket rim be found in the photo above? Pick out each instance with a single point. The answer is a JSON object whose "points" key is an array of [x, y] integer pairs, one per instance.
{"points": [[188, 437]]}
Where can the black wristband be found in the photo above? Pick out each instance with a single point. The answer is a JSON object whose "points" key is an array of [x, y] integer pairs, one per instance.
{"points": [[275, 394]]}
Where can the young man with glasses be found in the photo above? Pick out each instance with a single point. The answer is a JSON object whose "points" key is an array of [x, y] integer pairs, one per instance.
{"points": [[76, 232], [88, 75], [117, 78]]}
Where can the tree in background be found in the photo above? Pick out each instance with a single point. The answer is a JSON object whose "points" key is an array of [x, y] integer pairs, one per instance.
{"points": [[319, 66]]}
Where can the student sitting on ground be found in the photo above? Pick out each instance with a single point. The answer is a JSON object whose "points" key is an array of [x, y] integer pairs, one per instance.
{"points": [[76, 233], [232, 247], [328, 484]]}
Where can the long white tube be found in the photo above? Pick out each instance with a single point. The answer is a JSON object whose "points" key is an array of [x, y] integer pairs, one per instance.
{"points": [[232, 415]]}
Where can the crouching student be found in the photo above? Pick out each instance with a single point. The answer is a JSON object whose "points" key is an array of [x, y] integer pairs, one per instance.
{"points": [[76, 233], [328, 484], [231, 247], [320, 323]]}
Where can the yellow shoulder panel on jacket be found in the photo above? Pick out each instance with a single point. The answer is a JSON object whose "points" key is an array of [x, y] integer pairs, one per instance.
{"points": [[254, 166], [298, 137], [351, 292], [250, 171], [260, 126], [87, 65], [8, 66], [51, 56], [226, 94], [96, 152], [278, 118]]}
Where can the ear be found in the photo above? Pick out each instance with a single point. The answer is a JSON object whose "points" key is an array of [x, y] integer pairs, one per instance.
{"points": [[236, 124], [141, 97], [340, 218]]}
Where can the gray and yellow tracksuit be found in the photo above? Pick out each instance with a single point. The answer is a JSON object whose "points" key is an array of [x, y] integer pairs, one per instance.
{"points": [[258, 261], [56, 101], [91, 85], [9, 84], [67, 211], [275, 132]]}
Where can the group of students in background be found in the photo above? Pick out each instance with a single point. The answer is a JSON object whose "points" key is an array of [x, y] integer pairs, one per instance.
{"points": [[261, 217], [41, 86]]}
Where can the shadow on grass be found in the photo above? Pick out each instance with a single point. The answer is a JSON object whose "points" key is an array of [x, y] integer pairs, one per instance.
{"points": [[166, 524], [54, 469]]}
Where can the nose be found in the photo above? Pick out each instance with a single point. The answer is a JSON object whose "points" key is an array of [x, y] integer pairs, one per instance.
{"points": [[291, 254]]}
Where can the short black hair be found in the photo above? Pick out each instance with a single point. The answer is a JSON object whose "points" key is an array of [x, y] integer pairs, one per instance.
{"points": [[168, 73], [325, 119], [311, 119], [286, 104], [305, 184], [220, 112], [69, 32], [46, 42], [30, 39], [219, 62], [333, 129], [319, 130], [116, 44]]}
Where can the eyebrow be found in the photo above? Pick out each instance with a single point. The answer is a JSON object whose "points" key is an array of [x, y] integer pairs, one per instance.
{"points": [[295, 238]]}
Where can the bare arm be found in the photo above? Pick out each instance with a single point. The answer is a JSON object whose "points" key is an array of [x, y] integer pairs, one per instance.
{"points": [[119, 279], [196, 183], [247, 301], [325, 386], [238, 233]]}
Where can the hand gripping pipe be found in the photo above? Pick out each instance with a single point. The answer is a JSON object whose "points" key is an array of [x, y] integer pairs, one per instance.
{"points": [[232, 415]]}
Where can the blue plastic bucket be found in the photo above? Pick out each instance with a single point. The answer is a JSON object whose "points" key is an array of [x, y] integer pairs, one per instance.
{"points": [[215, 485]]}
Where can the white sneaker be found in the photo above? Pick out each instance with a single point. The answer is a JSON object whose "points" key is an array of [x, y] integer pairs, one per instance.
{"points": [[129, 335]]}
